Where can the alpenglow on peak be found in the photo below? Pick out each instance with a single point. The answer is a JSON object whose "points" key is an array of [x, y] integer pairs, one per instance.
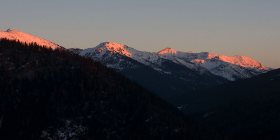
{"points": [[13, 34], [167, 51], [114, 47]]}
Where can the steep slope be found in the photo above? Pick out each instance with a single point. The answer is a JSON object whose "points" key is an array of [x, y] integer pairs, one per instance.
{"points": [[245, 109], [54, 94], [229, 67], [26, 38], [161, 76], [107, 49]]}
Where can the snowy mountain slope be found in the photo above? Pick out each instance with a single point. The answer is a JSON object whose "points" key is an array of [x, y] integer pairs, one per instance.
{"points": [[160, 75], [114, 58], [11, 34], [229, 67], [119, 56], [171, 74]]}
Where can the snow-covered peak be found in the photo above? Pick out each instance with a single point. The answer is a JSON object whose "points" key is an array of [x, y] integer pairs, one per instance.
{"points": [[107, 50], [121, 49], [167, 51], [243, 61], [12, 34], [229, 67], [202, 57], [114, 47]]}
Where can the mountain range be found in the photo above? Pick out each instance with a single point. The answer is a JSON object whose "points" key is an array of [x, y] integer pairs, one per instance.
{"points": [[112, 91], [228, 67], [167, 73], [170, 73]]}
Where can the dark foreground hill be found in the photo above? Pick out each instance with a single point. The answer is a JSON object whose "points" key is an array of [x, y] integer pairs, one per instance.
{"points": [[245, 109], [54, 94]]}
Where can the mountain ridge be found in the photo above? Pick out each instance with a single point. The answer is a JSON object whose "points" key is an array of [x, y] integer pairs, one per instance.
{"points": [[14, 34], [188, 59], [160, 76], [229, 67]]}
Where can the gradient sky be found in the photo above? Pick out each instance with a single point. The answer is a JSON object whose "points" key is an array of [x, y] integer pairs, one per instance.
{"points": [[244, 27]]}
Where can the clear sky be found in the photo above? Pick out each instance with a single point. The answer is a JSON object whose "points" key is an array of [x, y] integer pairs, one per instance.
{"points": [[244, 27]]}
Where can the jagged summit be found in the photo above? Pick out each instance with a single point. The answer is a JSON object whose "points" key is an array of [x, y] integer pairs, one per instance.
{"points": [[114, 47], [167, 51], [13, 34]]}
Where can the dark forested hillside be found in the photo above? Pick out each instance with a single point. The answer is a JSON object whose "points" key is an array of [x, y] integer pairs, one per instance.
{"points": [[245, 109], [170, 87], [54, 94]]}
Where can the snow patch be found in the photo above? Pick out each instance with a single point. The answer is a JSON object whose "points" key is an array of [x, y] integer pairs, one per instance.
{"points": [[70, 130]]}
